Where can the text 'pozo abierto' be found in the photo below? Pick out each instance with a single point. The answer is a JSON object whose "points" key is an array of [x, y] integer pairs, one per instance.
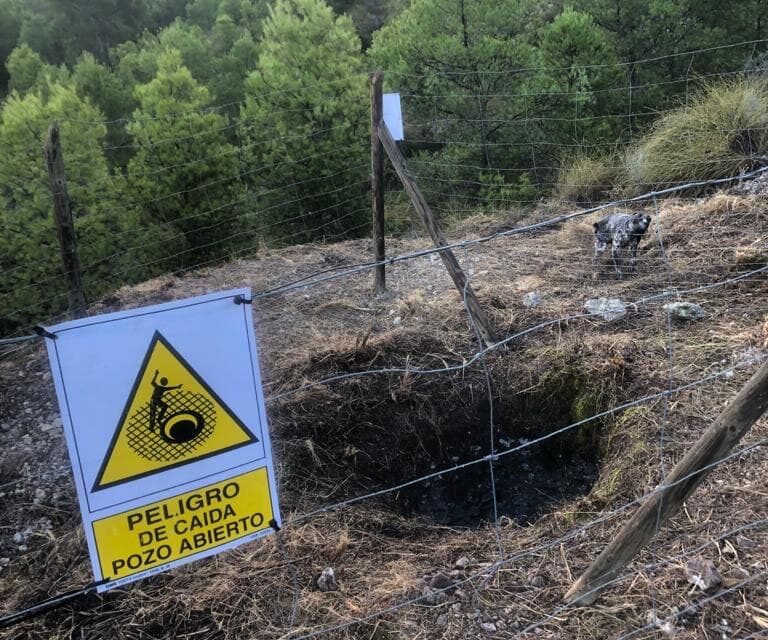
{"points": [[146, 538]]}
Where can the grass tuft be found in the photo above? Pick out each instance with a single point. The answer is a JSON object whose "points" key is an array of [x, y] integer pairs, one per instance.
{"points": [[587, 180], [723, 131]]}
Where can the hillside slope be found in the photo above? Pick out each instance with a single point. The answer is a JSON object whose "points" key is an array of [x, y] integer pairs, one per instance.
{"points": [[559, 501]]}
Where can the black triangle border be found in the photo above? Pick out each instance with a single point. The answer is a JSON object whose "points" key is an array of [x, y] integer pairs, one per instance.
{"points": [[158, 337]]}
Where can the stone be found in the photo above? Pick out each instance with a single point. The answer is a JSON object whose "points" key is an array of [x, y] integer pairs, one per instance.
{"points": [[608, 309], [532, 299], [327, 580], [462, 563], [488, 627], [684, 311]]}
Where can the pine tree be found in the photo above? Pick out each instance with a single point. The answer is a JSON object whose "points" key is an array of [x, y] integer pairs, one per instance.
{"points": [[305, 125], [185, 174]]}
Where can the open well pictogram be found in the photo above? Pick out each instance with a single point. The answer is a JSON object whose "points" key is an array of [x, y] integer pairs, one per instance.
{"points": [[172, 417]]}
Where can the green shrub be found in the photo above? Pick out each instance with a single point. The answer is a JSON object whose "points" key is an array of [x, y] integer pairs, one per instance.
{"points": [[498, 193]]}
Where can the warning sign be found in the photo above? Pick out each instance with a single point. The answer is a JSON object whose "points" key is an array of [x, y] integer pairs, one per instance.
{"points": [[164, 418], [172, 417], [143, 539]]}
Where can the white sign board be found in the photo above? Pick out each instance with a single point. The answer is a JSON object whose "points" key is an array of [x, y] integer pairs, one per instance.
{"points": [[393, 115], [164, 418]]}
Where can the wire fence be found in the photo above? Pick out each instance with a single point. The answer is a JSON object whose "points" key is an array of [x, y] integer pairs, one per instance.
{"points": [[662, 380]]}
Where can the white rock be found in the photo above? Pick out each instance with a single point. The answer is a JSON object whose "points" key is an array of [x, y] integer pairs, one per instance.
{"points": [[327, 580], [607, 308], [684, 310], [532, 299]]}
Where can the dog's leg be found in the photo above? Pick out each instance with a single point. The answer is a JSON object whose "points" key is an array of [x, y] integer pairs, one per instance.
{"points": [[634, 254], [600, 248], [616, 254]]}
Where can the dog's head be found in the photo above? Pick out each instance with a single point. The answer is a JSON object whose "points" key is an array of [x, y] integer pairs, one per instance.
{"points": [[640, 223]]}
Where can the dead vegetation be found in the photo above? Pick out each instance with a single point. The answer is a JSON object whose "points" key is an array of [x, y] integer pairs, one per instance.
{"points": [[348, 436]]}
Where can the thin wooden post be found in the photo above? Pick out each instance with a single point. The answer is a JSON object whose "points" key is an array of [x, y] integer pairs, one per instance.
{"points": [[62, 216], [377, 181], [714, 445], [430, 223]]}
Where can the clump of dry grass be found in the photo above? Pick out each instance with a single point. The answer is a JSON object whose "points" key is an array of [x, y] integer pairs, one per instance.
{"points": [[721, 132], [587, 180]]}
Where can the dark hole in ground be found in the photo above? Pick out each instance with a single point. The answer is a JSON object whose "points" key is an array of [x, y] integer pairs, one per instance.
{"points": [[374, 438], [528, 481]]}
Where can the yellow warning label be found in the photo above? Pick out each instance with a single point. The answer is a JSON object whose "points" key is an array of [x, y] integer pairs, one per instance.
{"points": [[160, 533], [172, 417]]}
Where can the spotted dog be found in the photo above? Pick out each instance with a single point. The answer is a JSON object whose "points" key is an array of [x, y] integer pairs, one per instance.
{"points": [[621, 230]]}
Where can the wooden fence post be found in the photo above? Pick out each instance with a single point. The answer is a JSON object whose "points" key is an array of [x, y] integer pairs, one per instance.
{"points": [[714, 445], [62, 216], [428, 218], [377, 181]]}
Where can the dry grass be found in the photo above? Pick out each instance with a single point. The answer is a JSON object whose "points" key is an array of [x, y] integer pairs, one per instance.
{"points": [[722, 131], [587, 180], [341, 439]]}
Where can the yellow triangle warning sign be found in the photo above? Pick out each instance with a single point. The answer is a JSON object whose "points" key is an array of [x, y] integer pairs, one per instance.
{"points": [[172, 418]]}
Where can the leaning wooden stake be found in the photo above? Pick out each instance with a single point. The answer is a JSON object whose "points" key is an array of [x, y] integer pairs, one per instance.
{"points": [[714, 445], [377, 180], [428, 218], [62, 215]]}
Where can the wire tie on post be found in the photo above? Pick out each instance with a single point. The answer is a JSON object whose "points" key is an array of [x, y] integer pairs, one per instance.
{"points": [[274, 525], [44, 333], [241, 299]]}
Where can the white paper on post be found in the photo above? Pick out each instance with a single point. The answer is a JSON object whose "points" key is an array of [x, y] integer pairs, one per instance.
{"points": [[393, 115]]}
